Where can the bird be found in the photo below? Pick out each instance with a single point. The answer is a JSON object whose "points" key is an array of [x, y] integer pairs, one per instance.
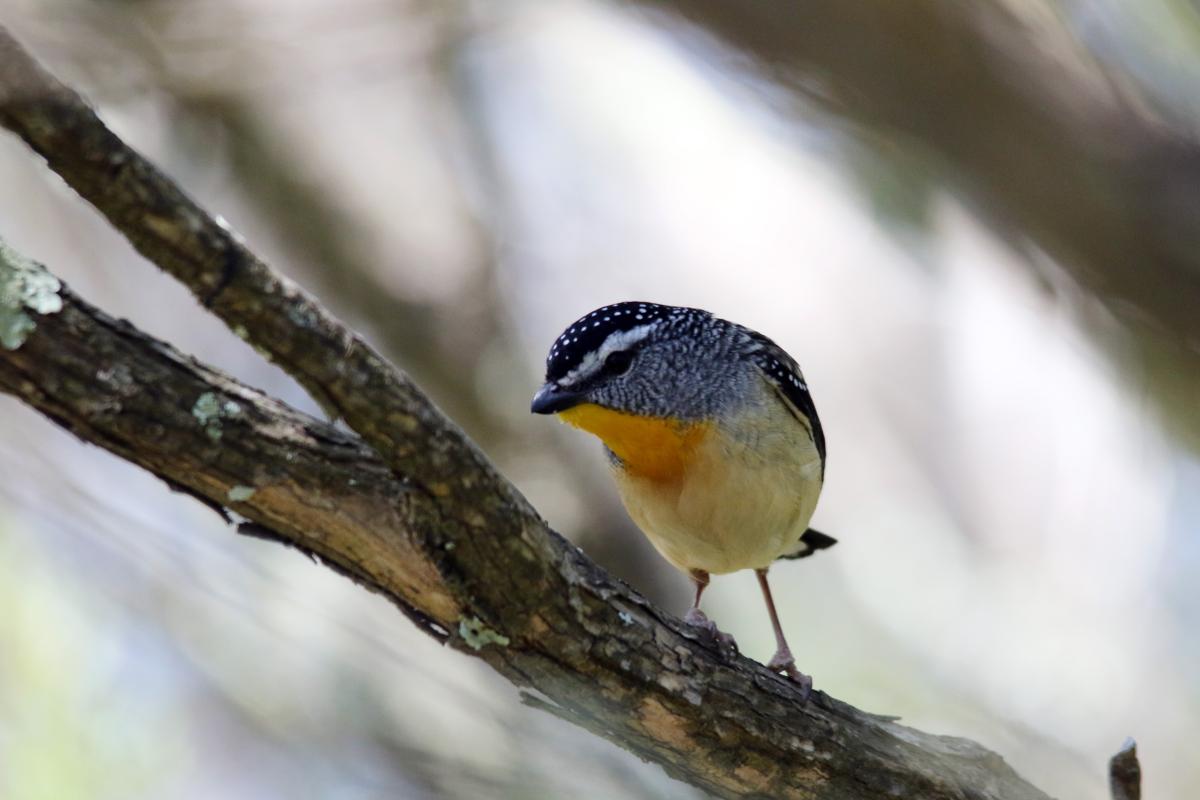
{"points": [[711, 435]]}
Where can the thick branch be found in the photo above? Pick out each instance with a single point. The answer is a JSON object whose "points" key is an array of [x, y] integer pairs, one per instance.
{"points": [[605, 658], [300, 480], [344, 374], [313, 225], [447, 538]]}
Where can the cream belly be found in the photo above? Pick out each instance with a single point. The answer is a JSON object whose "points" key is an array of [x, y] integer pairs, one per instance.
{"points": [[743, 499]]}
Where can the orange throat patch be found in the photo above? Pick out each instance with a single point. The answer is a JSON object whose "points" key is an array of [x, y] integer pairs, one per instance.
{"points": [[650, 447]]}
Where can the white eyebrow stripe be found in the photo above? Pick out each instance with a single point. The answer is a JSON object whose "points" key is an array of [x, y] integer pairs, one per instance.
{"points": [[616, 341]]}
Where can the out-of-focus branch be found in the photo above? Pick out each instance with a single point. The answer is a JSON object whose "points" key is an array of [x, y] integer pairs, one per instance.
{"points": [[1125, 773], [458, 548], [1055, 149]]}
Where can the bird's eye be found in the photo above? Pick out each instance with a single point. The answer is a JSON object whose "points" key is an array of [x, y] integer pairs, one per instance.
{"points": [[618, 363]]}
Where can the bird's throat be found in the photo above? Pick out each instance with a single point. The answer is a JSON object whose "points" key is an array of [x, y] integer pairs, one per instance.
{"points": [[650, 447]]}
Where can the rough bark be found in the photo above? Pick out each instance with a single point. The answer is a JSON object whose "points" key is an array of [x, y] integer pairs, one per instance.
{"points": [[412, 509]]}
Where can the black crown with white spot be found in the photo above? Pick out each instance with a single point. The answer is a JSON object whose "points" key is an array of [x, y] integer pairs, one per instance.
{"points": [[591, 330]]}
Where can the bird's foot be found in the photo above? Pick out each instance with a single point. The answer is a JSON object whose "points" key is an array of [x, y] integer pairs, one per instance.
{"points": [[784, 662], [725, 644]]}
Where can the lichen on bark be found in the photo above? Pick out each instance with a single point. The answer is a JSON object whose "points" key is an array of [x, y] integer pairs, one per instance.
{"points": [[26, 290]]}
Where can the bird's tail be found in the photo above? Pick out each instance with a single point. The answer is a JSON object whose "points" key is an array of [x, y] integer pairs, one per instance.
{"points": [[810, 542]]}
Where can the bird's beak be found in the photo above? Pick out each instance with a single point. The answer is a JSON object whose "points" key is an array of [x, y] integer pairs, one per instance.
{"points": [[551, 399]]}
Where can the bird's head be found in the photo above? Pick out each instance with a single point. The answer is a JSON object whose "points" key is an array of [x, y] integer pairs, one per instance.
{"points": [[646, 360]]}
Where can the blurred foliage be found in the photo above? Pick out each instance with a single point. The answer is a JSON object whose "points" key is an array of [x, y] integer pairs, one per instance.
{"points": [[72, 725]]}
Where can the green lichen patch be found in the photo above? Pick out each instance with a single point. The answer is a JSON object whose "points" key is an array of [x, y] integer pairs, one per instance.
{"points": [[209, 411], [477, 635], [240, 494], [26, 289], [207, 408]]}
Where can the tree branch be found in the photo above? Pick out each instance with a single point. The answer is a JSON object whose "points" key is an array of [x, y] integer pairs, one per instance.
{"points": [[428, 523], [1125, 773], [300, 480]]}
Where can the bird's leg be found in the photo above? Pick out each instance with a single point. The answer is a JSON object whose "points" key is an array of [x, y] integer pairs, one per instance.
{"points": [[699, 620], [695, 616], [782, 661]]}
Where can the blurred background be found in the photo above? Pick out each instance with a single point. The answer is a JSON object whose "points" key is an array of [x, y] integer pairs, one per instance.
{"points": [[976, 225]]}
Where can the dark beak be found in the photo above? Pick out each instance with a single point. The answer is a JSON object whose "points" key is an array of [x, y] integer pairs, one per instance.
{"points": [[550, 399]]}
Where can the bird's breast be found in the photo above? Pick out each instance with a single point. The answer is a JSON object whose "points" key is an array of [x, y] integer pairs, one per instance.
{"points": [[651, 448], [742, 493]]}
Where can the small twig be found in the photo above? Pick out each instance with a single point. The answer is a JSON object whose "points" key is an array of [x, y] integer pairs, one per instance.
{"points": [[1125, 773]]}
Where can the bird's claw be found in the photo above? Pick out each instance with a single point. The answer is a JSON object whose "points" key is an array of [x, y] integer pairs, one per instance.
{"points": [[785, 663], [726, 645]]}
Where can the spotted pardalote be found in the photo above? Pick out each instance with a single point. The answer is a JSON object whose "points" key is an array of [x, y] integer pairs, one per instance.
{"points": [[711, 434]]}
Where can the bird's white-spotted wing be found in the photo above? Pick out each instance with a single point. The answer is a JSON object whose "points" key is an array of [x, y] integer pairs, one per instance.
{"points": [[782, 372]]}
